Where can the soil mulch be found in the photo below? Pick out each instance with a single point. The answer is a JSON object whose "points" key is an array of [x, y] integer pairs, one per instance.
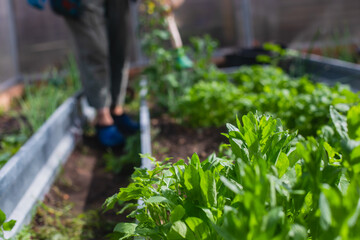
{"points": [[86, 184], [8, 125], [180, 142]]}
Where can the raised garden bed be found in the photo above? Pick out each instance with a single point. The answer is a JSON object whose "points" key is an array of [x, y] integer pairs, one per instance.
{"points": [[85, 181], [331, 70], [28, 175], [173, 140], [183, 146], [180, 142], [31, 148], [72, 208], [176, 136]]}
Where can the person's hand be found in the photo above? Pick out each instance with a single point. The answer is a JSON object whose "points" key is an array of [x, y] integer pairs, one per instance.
{"points": [[37, 3], [174, 4]]}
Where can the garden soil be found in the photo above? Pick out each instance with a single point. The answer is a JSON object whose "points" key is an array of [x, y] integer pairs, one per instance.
{"points": [[84, 183], [180, 142], [8, 125]]}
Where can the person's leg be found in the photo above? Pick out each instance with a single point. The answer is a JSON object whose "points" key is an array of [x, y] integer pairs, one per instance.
{"points": [[90, 38], [117, 15]]}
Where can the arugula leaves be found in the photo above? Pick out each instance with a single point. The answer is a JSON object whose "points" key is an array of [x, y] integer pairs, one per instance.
{"points": [[267, 184]]}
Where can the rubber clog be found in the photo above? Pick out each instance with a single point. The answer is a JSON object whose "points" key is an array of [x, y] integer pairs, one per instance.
{"points": [[125, 124], [109, 136]]}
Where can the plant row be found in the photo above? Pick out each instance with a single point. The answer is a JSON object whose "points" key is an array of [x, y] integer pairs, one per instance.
{"points": [[267, 183], [300, 103], [207, 96], [39, 102]]}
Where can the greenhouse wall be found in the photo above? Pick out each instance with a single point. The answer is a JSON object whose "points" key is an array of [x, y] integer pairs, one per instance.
{"points": [[291, 22], [298, 23], [214, 17], [8, 67], [43, 38]]}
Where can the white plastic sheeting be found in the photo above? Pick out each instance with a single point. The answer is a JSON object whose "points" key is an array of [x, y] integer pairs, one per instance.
{"points": [[8, 55]]}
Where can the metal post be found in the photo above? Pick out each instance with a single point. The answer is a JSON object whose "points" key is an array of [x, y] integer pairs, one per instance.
{"points": [[145, 126], [13, 40], [243, 14]]}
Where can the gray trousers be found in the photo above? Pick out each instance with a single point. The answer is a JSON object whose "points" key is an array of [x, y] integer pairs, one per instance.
{"points": [[101, 40]]}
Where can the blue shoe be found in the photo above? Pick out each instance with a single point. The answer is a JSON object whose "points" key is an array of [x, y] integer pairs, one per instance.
{"points": [[109, 136], [125, 124]]}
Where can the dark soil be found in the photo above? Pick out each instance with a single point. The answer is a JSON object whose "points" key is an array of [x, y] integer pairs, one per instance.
{"points": [[83, 183], [181, 142], [8, 125], [86, 184]]}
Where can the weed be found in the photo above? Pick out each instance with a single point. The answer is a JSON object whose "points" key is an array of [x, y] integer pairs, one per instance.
{"points": [[130, 157]]}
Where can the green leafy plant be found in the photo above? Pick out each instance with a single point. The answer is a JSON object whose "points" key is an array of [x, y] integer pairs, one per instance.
{"points": [[154, 32], [341, 46], [266, 185], [276, 54], [202, 49], [40, 103], [300, 103], [167, 83], [343, 134], [9, 145], [61, 223], [5, 225], [209, 103], [117, 163]]}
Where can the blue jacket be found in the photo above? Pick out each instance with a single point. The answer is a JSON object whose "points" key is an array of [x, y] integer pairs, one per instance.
{"points": [[66, 8], [37, 3]]}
